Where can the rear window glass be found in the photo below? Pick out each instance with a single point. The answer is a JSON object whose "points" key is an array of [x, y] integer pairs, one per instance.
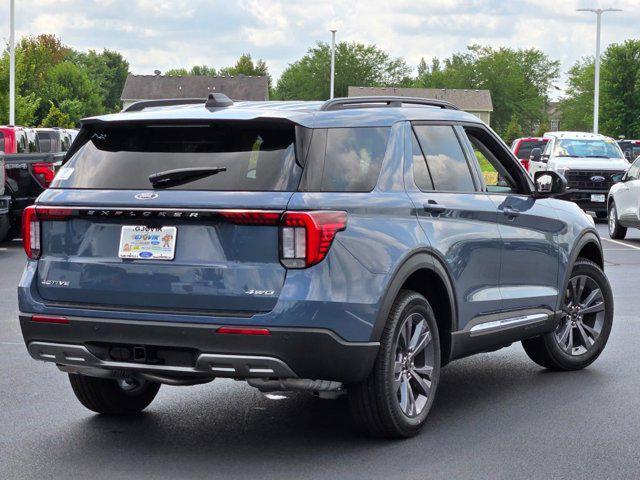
{"points": [[352, 158], [524, 150], [256, 156], [44, 139], [1, 142]]}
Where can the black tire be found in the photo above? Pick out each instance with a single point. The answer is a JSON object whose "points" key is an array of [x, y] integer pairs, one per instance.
{"points": [[376, 402], [616, 231], [5, 225], [547, 350], [107, 396], [601, 215]]}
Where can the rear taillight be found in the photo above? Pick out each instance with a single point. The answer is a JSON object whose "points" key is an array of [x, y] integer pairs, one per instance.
{"points": [[525, 163], [44, 173], [31, 228], [305, 237]]}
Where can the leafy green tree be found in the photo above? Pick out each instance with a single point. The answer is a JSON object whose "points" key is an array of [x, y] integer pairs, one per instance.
{"points": [[56, 118], [356, 65], [513, 130], [177, 72], [109, 70], [518, 80], [576, 107], [200, 70], [620, 87]]}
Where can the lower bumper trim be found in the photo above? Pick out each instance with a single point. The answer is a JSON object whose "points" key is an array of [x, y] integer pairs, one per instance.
{"points": [[235, 366]]}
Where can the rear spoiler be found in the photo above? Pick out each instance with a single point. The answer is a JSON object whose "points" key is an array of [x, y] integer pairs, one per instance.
{"points": [[28, 158]]}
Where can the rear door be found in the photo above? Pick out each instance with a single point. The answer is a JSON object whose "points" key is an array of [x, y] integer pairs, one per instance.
{"points": [[628, 196], [209, 244], [459, 220]]}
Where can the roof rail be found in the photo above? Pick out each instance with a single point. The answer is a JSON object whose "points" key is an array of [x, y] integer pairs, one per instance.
{"points": [[390, 101], [163, 102]]}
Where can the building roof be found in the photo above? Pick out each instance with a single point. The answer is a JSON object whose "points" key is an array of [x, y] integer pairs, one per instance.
{"points": [[469, 100], [151, 87], [307, 114]]}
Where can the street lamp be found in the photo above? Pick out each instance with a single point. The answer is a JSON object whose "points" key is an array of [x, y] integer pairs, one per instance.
{"points": [[333, 60], [12, 65], [596, 90]]}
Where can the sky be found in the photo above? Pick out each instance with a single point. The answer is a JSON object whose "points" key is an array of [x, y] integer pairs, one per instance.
{"points": [[162, 34]]}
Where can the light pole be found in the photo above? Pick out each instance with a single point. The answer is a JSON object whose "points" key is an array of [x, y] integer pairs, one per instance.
{"points": [[12, 65], [333, 61], [596, 89]]}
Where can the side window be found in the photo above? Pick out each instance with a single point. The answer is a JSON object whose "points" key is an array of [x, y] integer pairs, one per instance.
{"points": [[548, 147], [353, 157], [634, 170], [21, 143], [421, 173], [495, 176], [446, 162], [1, 142]]}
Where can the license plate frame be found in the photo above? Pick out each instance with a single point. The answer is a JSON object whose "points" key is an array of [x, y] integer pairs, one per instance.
{"points": [[141, 242], [598, 197]]}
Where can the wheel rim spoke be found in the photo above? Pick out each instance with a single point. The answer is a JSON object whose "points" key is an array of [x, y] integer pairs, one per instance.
{"points": [[424, 371], [588, 341], [598, 307], [423, 384], [592, 331], [424, 341], [417, 334], [404, 394], [596, 293]]}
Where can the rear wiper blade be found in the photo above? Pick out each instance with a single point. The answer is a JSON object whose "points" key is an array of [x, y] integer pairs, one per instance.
{"points": [[179, 176]]}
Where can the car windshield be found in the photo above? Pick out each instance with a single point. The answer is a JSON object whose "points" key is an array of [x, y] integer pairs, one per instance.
{"points": [[586, 148]]}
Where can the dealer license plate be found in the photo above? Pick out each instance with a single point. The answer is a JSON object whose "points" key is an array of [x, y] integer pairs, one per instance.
{"points": [[597, 198], [147, 243]]}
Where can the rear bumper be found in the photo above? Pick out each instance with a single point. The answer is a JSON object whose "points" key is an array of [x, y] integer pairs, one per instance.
{"points": [[583, 199], [198, 349]]}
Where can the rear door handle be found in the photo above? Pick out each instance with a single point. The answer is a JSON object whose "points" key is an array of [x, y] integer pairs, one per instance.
{"points": [[434, 207]]}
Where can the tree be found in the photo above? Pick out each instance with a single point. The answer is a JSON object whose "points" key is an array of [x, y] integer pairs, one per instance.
{"points": [[109, 70], [518, 80], [356, 65], [512, 131], [576, 107], [202, 70], [56, 118], [620, 86]]}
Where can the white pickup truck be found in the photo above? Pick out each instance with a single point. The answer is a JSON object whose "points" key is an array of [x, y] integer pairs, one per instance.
{"points": [[587, 161]]}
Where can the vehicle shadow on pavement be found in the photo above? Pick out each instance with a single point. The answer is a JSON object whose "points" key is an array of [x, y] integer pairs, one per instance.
{"points": [[235, 429]]}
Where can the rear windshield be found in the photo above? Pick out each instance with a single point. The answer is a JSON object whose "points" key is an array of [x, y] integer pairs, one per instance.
{"points": [[257, 156], [524, 151]]}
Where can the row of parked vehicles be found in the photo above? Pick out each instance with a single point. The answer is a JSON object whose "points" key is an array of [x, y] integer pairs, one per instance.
{"points": [[592, 164], [29, 158]]}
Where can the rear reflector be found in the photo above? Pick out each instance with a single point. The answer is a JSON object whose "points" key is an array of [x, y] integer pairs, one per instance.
{"points": [[49, 319], [243, 331], [251, 217]]}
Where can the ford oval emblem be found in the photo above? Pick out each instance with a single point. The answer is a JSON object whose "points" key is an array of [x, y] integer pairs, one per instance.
{"points": [[148, 196], [146, 254], [597, 178]]}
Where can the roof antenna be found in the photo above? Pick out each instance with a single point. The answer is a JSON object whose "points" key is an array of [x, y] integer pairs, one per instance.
{"points": [[217, 100]]}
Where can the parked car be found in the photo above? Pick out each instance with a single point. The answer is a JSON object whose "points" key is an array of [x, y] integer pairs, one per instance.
{"points": [[588, 161], [5, 202], [27, 172], [322, 247], [624, 202], [630, 149], [522, 147]]}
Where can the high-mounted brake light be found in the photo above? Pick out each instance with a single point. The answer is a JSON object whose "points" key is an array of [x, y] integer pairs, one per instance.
{"points": [[31, 229], [305, 237]]}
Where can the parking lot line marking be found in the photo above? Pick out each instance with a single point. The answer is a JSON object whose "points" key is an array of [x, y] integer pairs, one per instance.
{"points": [[621, 243], [3, 249]]}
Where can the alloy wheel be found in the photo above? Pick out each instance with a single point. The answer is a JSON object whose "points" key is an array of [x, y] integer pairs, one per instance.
{"points": [[414, 363], [612, 220], [583, 316]]}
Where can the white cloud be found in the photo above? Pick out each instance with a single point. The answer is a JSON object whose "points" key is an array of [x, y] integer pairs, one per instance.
{"points": [[168, 33]]}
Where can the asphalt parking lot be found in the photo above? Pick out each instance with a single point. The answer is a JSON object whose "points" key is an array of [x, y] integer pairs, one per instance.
{"points": [[496, 416]]}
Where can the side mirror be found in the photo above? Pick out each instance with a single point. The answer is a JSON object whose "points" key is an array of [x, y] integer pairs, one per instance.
{"points": [[536, 155], [618, 177], [549, 183]]}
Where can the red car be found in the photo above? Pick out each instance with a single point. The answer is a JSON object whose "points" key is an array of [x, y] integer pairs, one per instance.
{"points": [[522, 147]]}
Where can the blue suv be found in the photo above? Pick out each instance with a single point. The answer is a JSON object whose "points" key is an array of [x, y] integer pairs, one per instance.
{"points": [[352, 246]]}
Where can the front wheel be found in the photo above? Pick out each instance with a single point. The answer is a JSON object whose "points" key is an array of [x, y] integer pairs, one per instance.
{"points": [[583, 329], [395, 399], [616, 231], [113, 397]]}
